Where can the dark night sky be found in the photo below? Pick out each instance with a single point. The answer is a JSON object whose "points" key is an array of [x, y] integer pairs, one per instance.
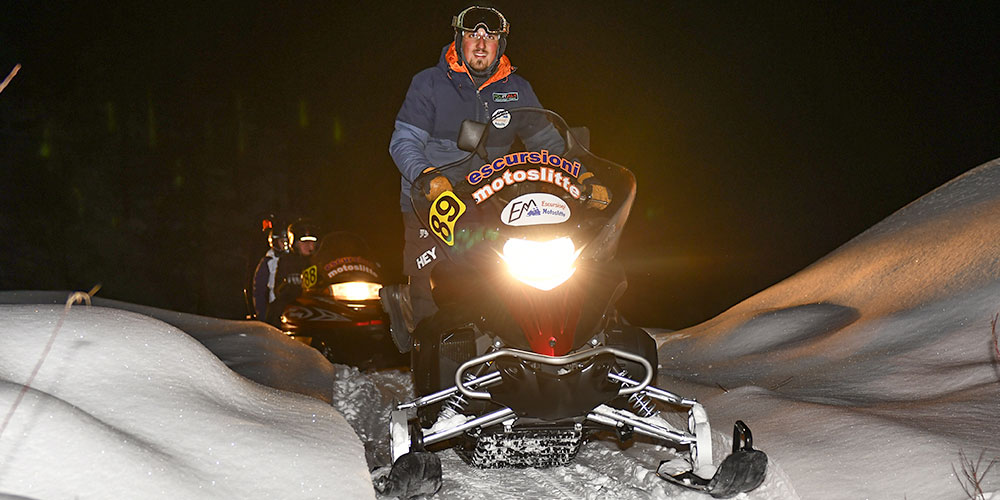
{"points": [[140, 142]]}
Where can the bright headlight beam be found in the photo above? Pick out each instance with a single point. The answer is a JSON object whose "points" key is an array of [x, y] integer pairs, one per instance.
{"points": [[355, 291], [541, 264]]}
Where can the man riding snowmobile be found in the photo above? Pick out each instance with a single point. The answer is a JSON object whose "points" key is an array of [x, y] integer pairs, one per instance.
{"points": [[303, 236], [473, 80], [526, 357]]}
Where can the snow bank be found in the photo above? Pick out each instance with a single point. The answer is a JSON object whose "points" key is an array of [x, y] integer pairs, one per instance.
{"points": [[253, 349], [868, 373], [125, 406]]}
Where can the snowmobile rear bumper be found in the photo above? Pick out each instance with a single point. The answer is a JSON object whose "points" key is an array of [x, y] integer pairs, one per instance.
{"points": [[553, 361]]}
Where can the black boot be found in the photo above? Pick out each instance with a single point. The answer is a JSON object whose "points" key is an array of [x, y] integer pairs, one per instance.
{"points": [[413, 474]]}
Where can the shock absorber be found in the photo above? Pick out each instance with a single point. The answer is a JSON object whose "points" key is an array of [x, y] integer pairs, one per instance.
{"points": [[455, 404], [640, 401]]}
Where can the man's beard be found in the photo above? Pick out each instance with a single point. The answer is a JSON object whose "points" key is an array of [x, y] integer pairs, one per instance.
{"points": [[479, 64]]}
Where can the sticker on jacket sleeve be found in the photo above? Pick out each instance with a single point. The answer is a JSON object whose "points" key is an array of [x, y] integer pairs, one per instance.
{"points": [[444, 214], [534, 209], [427, 257], [501, 118], [504, 96]]}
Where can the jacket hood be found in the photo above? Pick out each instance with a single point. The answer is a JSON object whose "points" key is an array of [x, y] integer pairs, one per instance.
{"points": [[450, 62]]}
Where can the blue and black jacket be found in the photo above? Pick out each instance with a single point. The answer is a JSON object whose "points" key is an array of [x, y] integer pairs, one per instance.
{"points": [[438, 99]]}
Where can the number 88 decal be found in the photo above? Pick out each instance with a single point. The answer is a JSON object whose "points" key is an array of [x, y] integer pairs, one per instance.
{"points": [[444, 213], [309, 277]]}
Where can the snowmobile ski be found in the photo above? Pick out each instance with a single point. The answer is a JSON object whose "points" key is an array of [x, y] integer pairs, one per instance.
{"points": [[740, 472]]}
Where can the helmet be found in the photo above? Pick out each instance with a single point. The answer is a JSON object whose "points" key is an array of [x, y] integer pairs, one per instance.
{"points": [[302, 230], [488, 18], [278, 240]]}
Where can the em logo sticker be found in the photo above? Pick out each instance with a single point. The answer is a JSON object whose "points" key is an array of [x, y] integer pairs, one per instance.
{"points": [[501, 118], [533, 209]]}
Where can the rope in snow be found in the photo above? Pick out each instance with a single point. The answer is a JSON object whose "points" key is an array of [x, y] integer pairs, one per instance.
{"points": [[74, 298], [17, 67]]}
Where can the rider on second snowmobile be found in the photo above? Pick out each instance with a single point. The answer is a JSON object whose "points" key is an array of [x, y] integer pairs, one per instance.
{"points": [[267, 269], [303, 236]]}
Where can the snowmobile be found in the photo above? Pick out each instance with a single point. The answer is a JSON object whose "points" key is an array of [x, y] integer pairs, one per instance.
{"points": [[527, 357], [338, 312]]}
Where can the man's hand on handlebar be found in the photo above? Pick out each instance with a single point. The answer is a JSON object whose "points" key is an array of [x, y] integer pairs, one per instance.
{"points": [[598, 196], [436, 186]]}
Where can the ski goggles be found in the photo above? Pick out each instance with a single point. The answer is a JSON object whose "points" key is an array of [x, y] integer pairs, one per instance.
{"points": [[473, 18]]}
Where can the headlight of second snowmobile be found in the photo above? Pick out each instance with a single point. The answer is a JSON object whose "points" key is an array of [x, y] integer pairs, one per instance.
{"points": [[541, 264], [354, 291]]}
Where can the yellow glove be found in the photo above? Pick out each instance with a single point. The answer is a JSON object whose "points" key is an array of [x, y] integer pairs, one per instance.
{"points": [[598, 196], [437, 186]]}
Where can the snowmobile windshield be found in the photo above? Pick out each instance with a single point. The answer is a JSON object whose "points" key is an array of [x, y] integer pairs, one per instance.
{"points": [[342, 256], [529, 177]]}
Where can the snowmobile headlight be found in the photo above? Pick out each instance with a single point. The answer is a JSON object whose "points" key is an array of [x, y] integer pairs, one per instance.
{"points": [[541, 264], [355, 290]]}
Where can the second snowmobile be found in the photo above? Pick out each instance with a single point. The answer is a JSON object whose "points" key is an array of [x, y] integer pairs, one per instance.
{"points": [[527, 357], [338, 311]]}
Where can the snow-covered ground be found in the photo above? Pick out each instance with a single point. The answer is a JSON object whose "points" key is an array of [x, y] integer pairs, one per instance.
{"points": [[126, 406], [872, 372], [869, 374]]}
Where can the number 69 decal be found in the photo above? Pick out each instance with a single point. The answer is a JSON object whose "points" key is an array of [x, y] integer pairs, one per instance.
{"points": [[444, 213]]}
